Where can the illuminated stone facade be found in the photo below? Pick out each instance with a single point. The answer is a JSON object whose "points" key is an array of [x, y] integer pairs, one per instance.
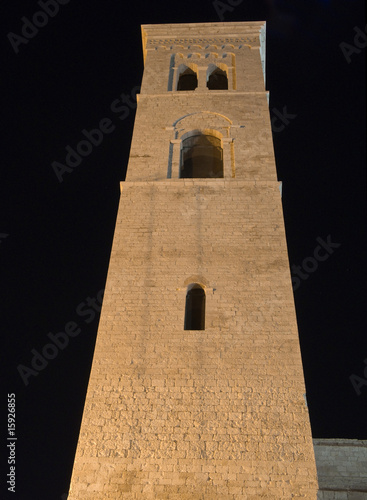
{"points": [[342, 469], [217, 412]]}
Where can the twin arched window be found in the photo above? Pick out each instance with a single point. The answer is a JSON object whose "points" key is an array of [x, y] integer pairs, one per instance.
{"points": [[216, 78], [195, 308], [188, 80]]}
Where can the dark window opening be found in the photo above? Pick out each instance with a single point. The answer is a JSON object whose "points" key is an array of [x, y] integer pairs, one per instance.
{"points": [[195, 308], [201, 157], [218, 80], [188, 80]]}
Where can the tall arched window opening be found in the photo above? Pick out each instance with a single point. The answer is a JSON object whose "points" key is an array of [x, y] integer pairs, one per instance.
{"points": [[201, 157], [187, 80], [195, 308], [217, 79]]}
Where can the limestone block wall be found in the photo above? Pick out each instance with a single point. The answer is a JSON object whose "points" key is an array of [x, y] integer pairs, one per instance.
{"points": [[236, 45], [217, 413], [341, 468], [240, 114], [242, 119], [204, 414], [241, 62]]}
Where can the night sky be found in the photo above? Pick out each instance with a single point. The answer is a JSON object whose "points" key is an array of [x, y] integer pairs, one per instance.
{"points": [[55, 237]]}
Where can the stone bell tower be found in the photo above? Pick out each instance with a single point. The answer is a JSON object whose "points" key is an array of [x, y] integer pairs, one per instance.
{"points": [[197, 390]]}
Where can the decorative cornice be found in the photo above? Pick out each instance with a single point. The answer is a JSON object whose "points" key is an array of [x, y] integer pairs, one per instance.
{"points": [[231, 33], [204, 43]]}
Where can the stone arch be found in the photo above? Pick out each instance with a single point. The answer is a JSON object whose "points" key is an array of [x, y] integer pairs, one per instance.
{"points": [[229, 56], [187, 77], [196, 278], [201, 154], [217, 76], [207, 119], [211, 55], [210, 124], [194, 55]]}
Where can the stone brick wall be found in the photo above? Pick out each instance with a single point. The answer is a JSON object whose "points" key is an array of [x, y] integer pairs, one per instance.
{"points": [[341, 468], [215, 413], [243, 119]]}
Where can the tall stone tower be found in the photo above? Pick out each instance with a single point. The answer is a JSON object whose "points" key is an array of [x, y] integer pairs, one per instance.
{"points": [[197, 390]]}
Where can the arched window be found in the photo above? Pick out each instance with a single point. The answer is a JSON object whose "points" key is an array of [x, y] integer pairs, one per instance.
{"points": [[201, 156], [187, 80], [195, 308], [216, 78]]}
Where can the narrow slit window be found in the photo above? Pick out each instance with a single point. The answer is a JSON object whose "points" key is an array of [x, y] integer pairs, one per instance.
{"points": [[195, 308]]}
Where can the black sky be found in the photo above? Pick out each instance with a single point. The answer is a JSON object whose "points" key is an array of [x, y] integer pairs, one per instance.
{"points": [[55, 237]]}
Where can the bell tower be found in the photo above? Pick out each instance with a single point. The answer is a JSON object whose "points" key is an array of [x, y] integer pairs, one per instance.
{"points": [[196, 389]]}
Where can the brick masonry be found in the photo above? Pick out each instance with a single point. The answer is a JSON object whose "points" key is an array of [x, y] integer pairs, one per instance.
{"points": [[215, 413], [341, 468]]}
